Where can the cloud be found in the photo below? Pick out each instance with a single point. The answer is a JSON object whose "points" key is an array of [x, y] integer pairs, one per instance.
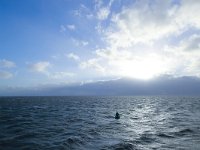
{"points": [[187, 14], [84, 43], [185, 56], [71, 27], [5, 75], [40, 67], [103, 11], [145, 22], [56, 57], [192, 43], [151, 38], [73, 56], [43, 68], [92, 64], [80, 42], [60, 75], [6, 64], [62, 28], [83, 11]]}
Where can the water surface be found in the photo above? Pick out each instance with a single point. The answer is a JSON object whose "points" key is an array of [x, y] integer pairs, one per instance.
{"points": [[87, 123]]}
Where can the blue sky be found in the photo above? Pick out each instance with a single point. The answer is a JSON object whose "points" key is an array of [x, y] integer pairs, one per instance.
{"points": [[44, 42]]}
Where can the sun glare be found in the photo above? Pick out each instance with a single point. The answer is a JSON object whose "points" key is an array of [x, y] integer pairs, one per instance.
{"points": [[144, 69]]}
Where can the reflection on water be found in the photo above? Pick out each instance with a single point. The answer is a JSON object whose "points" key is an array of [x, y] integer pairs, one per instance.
{"points": [[88, 123]]}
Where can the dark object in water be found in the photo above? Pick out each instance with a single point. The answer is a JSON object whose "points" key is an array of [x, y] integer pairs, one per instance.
{"points": [[117, 116]]}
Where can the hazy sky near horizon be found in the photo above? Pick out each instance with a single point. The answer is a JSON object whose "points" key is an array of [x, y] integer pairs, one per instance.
{"points": [[64, 41]]}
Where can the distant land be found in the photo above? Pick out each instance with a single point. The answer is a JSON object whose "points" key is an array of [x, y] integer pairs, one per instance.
{"points": [[163, 85]]}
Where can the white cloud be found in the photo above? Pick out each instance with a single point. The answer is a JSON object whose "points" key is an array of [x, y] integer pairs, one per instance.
{"points": [[138, 39], [63, 28], [185, 57], [83, 11], [73, 56], [103, 11], [43, 68], [60, 75], [133, 64], [92, 64], [145, 22], [6, 64], [187, 14], [80, 42], [40, 67], [5, 75], [71, 27]]}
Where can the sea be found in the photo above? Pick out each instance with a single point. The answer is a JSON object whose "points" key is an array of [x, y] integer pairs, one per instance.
{"points": [[88, 123]]}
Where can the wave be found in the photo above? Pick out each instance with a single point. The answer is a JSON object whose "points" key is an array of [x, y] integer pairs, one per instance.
{"points": [[146, 138], [183, 132], [164, 135], [87, 123], [73, 142], [122, 146]]}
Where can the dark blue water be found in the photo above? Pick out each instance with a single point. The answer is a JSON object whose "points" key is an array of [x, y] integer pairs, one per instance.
{"points": [[85, 123]]}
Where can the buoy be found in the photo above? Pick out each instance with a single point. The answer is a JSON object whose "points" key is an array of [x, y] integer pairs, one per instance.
{"points": [[117, 116]]}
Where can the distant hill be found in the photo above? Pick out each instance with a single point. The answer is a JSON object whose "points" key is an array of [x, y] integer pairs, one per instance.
{"points": [[163, 85]]}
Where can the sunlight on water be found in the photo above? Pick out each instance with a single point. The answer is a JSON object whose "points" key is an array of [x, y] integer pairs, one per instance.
{"points": [[88, 123]]}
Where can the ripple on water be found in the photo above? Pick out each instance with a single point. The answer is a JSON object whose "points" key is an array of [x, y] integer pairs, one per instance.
{"points": [[87, 123], [184, 132], [121, 146]]}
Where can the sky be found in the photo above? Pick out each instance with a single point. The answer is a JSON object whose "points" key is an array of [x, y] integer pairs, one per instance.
{"points": [[56, 42]]}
